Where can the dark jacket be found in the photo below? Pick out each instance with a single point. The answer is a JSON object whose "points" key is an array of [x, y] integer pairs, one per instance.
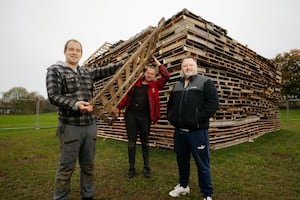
{"points": [[152, 91], [191, 107]]}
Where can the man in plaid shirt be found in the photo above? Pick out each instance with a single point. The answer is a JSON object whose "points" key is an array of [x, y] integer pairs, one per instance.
{"points": [[70, 88]]}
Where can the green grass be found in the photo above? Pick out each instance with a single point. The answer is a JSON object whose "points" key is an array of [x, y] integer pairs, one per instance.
{"points": [[28, 121], [290, 115], [267, 168]]}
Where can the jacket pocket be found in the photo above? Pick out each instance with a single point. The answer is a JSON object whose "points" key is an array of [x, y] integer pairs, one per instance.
{"points": [[72, 83]]}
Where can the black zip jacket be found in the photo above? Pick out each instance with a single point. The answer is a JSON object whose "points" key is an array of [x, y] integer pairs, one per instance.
{"points": [[191, 107]]}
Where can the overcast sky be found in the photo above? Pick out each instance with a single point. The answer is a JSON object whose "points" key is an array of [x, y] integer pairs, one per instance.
{"points": [[33, 32]]}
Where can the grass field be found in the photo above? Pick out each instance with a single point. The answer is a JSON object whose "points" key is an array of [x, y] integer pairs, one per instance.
{"points": [[28, 121], [267, 168]]}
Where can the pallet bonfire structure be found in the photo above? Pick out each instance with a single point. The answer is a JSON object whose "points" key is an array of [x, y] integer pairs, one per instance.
{"points": [[248, 84]]}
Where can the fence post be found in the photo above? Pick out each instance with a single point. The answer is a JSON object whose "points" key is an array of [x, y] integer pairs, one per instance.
{"points": [[37, 113]]}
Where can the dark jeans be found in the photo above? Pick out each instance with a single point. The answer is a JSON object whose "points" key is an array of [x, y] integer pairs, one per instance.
{"points": [[194, 142], [75, 142], [137, 124]]}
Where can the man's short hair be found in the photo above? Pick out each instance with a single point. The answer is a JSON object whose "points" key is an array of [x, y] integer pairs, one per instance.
{"points": [[191, 57], [149, 66], [72, 40]]}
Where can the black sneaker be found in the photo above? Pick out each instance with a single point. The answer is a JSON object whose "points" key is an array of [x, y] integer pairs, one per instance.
{"points": [[147, 173], [131, 172]]}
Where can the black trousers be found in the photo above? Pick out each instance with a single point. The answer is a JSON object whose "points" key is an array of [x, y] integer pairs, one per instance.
{"points": [[138, 124], [195, 143]]}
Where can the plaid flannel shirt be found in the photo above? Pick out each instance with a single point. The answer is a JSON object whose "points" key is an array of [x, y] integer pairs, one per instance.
{"points": [[66, 86]]}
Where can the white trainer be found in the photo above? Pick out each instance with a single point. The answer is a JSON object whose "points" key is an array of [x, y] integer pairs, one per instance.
{"points": [[179, 190], [207, 198]]}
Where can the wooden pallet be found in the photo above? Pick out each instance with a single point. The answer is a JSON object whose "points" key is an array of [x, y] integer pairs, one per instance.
{"points": [[248, 85], [115, 89], [98, 53]]}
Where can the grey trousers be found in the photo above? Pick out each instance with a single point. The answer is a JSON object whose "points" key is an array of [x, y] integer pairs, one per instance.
{"points": [[75, 142]]}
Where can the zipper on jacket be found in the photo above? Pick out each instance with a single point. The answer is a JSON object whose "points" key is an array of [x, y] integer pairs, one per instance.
{"points": [[196, 117], [182, 99]]}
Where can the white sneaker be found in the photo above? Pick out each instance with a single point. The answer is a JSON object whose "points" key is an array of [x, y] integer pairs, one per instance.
{"points": [[179, 190], [207, 198]]}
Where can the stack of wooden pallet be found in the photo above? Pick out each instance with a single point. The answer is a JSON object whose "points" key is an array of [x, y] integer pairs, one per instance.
{"points": [[248, 84]]}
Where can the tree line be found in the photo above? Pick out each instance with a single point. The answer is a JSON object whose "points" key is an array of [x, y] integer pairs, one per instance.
{"points": [[289, 64], [19, 101]]}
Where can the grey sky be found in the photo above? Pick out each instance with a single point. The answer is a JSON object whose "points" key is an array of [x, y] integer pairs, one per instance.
{"points": [[33, 32]]}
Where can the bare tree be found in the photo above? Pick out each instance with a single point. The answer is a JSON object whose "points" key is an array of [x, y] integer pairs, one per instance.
{"points": [[16, 93]]}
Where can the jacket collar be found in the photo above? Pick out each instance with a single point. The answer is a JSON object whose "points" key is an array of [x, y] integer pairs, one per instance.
{"points": [[191, 78]]}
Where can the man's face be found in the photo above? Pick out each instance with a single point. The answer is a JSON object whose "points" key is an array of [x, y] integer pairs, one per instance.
{"points": [[189, 67], [149, 74], [73, 53]]}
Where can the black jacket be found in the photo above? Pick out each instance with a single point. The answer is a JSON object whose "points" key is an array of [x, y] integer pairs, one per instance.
{"points": [[191, 107]]}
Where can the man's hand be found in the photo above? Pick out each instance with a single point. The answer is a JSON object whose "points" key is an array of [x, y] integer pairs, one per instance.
{"points": [[85, 106], [156, 61], [115, 110]]}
